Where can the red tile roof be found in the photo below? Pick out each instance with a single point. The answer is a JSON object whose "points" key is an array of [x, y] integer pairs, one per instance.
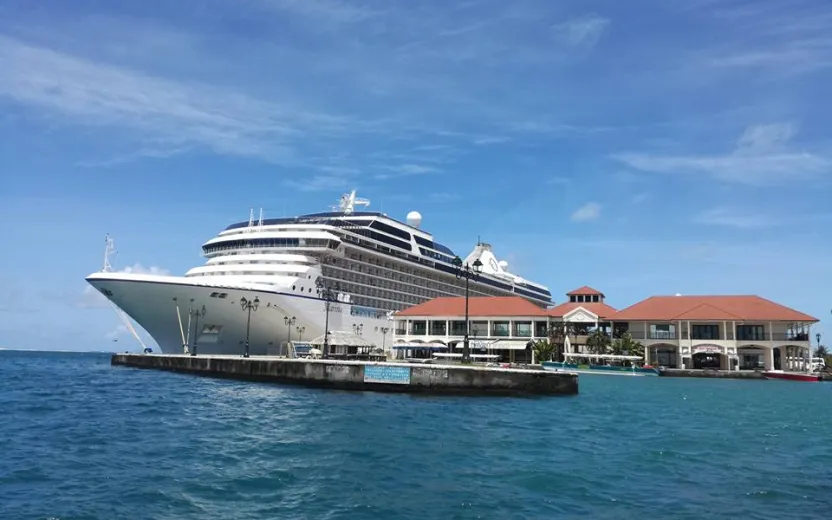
{"points": [[477, 306], [602, 310], [745, 308], [585, 291]]}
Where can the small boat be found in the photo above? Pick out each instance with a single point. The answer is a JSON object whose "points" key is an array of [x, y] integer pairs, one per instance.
{"points": [[603, 369], [793, 376]]}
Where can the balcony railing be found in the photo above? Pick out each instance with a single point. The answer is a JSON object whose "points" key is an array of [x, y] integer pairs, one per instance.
{"points": [[662, 334], [754, 337], [781, 336], [674, 336]]}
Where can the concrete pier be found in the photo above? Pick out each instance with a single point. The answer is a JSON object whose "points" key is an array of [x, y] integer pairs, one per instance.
{"points": [[717, 374], [360, 375]]}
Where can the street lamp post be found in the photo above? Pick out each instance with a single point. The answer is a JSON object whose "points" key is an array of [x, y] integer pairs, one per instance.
{"points": [[300, 332], [249, 305], [384, 331], [328, 295], [467, 271], [289, 322], [357, 330], [196, 313]]}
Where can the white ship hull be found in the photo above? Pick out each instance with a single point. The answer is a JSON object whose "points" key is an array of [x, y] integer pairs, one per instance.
{"points": [[149, 300]]}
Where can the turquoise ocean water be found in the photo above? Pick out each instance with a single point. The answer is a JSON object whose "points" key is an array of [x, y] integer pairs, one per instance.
{"points": [[82, 440]]}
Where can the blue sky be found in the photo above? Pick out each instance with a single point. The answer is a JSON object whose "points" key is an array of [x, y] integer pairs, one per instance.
{"points": [[643, 147]]}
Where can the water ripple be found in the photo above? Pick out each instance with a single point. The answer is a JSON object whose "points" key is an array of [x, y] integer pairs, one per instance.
{"points": [[85, 440]]}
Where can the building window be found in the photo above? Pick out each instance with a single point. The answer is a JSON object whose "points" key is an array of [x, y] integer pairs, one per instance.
{"points": [[663, 331], [541, 329], [418, 328], [751, 332], [523, 329], [457, 328], [437, 328], [401, 328], [499, 328], [479, 328], [704, 332], [573, 298]]}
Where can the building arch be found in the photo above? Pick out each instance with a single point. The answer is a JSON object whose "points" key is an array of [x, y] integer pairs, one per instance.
{"points": [[791, 357], [752, 356], [663, 355]]}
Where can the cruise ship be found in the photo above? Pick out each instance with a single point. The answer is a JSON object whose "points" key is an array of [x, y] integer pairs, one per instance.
{"points": [[366, 264]]}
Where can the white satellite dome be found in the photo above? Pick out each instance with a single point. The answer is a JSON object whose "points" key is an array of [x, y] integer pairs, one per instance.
{"points": [[414, 219], [503, 265]]}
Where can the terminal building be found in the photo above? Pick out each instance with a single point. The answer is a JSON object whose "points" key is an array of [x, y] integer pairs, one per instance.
{"points": [[723, 332]]}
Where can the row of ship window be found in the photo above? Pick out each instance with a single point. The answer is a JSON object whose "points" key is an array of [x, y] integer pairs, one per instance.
{"points": [[269, 242], [379, 237], [332, 244], [405, 274]]}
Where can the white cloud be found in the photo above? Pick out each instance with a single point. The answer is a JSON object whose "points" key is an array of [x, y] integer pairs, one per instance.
{"points": [[405, 170], [743, 219], [779, 39], [765, 138], [638, 198], [589, 211], [410, 72], [584, 31], [319, 182], [760, 158], [171, 113], [323, 11], [732, 218]]}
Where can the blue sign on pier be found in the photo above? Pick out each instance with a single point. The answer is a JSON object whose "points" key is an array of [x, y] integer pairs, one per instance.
{"points": [[387, 374]]}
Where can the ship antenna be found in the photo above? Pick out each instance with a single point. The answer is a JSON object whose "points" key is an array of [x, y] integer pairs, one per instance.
{"points": [[109, 249], [250, 217], [260, 222]]}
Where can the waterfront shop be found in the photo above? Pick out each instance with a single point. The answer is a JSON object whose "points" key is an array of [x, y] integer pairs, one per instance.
{"points": [[584, 312], [502, 329], [717, 332], [692, 332]]}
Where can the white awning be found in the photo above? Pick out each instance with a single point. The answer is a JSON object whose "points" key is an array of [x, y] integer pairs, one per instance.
{"points": [[420, 346], [500, 344], [506, 344]]}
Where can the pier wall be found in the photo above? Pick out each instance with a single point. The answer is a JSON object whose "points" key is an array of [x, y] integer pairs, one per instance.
{"points": [[358, 375], [718, 374]]}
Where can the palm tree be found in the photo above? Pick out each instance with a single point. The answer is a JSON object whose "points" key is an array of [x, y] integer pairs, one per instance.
{"points": [[598, 342], [626, 345], [543, 350], [557, 337], [821, 352]]}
